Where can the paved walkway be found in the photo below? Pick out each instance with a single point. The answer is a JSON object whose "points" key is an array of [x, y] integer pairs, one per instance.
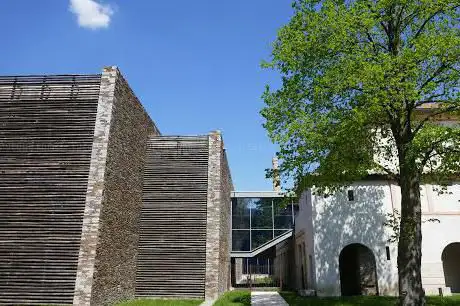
{"points": [[267, 298], [208, 303]]}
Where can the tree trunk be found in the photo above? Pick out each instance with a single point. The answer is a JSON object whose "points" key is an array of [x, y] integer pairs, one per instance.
{"points": [[410, 241]]}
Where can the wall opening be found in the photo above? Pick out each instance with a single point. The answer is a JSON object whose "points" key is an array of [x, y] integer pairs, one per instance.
{"points": [[351, 195], [358, 272], [451, 265], [387, 250]]}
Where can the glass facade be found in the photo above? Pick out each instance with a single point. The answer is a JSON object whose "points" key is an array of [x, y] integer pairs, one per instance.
{"points": [[256, 221]]}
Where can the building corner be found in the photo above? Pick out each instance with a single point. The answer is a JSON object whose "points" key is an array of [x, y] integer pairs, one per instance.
{"points": [[95, 189]]}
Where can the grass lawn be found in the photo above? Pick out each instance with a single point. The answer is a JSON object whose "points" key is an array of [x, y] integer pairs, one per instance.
{"points": [[235, 298], [294, 300], [161, 302]]}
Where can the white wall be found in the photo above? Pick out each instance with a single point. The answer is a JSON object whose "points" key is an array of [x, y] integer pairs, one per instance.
{"points": [[337, 222], [436, 236], [304, 236]]}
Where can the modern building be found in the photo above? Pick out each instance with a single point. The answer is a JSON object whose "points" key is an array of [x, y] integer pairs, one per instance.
{"points": [[96, 206], [260, 221]]}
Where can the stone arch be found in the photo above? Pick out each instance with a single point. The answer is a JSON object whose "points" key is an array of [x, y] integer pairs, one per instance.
{"points": [[358, 271], [451, 266]]}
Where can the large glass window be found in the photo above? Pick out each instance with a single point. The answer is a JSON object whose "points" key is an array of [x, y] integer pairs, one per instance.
{"points": [[241, 240], [280, 232], [283, 214], [260, 237], [241, 213], [261, 213], [256, 221]]}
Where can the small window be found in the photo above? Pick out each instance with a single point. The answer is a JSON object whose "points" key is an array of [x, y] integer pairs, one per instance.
{"points": [[388, 252], [351, 195]]}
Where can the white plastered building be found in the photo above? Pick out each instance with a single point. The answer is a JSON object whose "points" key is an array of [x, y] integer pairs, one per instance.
{"points": [[328, 228], [343, 248]]}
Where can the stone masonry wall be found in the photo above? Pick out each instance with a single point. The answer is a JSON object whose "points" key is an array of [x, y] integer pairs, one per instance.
{"points": [[218, 220], [225, 226], [108, 247], [95, 190], [116, 257], [213, 217], [238, 268]]}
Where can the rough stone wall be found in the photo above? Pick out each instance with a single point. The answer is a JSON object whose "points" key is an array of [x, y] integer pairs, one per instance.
{"points": [[238, 269], [95, 190], [213, 217], [225, 226], [108, 247], [116, 257], [218, 220]]}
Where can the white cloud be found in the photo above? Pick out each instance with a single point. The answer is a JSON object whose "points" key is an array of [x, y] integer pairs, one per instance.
{"points": [[91, 14]]}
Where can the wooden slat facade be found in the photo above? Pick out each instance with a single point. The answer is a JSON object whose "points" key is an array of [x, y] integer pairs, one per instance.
{"points": [[172, 245], [46, 135]]}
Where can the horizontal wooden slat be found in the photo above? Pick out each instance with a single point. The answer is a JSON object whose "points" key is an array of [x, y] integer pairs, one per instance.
{"points": [[46, 135], [172, 245]]}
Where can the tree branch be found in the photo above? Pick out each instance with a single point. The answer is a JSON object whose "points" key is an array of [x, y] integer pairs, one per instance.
{"points": [[433, 114], [399, 19], [369, 37], [391, 174], [384, 28], [435, 74], [412, 15], [432, 99], [422, 27], [432, 148], [429, 155]]}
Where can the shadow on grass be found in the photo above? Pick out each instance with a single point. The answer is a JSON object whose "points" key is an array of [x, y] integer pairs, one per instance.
{"points": [[235, 298], [446, 301], [294, 300]]}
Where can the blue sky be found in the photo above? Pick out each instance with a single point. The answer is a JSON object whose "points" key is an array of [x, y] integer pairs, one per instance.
{"points": [[195, 65]]}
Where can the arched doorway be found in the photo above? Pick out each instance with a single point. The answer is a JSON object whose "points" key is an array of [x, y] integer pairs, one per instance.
{"points": [[358, 272], [451, 265]]}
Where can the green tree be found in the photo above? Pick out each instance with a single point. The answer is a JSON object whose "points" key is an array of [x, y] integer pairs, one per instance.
{"points": [[364, 83]]}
